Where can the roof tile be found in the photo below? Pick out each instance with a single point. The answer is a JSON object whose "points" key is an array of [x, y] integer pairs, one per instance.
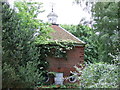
{"points": [[62, 34]]}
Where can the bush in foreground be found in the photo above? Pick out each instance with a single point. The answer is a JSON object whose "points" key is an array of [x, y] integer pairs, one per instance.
{"points": [[99, 75]]}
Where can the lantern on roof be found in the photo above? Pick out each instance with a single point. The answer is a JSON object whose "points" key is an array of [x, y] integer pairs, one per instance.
{"points": [[52, 17]]}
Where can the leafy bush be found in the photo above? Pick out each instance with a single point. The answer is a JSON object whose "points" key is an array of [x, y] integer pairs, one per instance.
{"points": [[69, 85], [30, 74], [27, 77], [60, 86], [9, 76], [99, 75]]}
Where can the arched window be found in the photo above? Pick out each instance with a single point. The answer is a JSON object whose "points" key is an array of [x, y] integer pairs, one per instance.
{"points": [[72, 78], [46, 77]]}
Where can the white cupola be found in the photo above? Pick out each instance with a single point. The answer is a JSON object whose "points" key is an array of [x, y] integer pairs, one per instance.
{"points": [[52, 17]]}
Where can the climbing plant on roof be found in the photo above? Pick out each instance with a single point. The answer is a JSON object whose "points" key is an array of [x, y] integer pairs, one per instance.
{"points": [[57, 49]]}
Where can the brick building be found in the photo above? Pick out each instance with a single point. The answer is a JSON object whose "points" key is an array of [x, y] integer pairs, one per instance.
{"points": [[60, 66]]}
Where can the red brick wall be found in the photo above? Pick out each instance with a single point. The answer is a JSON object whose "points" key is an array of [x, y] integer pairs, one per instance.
{"points": [[74, 56]]}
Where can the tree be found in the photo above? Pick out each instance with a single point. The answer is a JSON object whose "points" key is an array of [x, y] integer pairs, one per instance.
{"points": [[40, 31], [105, 17], [86, 6], [87, 35], [20, 54], [106, 24]]}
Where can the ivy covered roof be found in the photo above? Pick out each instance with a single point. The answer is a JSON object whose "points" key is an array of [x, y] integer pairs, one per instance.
{"points": [[60, 34]]}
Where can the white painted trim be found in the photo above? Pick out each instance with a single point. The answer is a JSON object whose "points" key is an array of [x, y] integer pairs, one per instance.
{"points": [[47, 79], [73, 80]]}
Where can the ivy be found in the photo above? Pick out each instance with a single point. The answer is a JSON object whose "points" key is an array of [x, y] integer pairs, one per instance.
{"points": [[57, 49]]}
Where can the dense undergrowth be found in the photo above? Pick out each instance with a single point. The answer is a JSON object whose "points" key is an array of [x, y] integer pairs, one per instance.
{"points": [[99, 75]]}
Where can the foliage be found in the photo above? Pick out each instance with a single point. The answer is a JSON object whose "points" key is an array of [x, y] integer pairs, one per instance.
{"points": [[87, 35], [105, 15], [28, 13], [57, 49], [99, 75], [30, 22], [104, 38], [26, 76], [86, 7], [73, 85], [60, 86], [20, 55], [48, 86]]}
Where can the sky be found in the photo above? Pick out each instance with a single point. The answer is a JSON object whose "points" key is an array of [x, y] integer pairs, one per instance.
{"points": [[67, 11]]}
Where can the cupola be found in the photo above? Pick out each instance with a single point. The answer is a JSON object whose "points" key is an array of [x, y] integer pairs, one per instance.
{"points": [[52, 17]]}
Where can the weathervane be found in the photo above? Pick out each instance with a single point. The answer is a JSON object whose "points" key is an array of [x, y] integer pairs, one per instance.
{"points": [[52, 5]]}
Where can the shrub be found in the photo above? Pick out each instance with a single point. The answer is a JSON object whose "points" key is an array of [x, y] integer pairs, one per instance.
{"points": [[24, 77], [69, 85], [99, 75]]}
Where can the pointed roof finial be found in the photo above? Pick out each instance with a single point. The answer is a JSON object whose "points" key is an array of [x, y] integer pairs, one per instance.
{"points": [[52, 5], [52, 8]]}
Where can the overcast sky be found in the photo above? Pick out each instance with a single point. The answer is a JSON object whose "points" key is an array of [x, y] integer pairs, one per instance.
{"points": [[68, 13]]}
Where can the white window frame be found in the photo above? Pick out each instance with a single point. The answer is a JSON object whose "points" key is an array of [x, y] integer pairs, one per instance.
{"points": [[75, 79]]}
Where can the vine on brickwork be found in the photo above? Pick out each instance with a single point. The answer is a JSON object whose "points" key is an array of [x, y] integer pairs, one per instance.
{"points": [[57, 49]]}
